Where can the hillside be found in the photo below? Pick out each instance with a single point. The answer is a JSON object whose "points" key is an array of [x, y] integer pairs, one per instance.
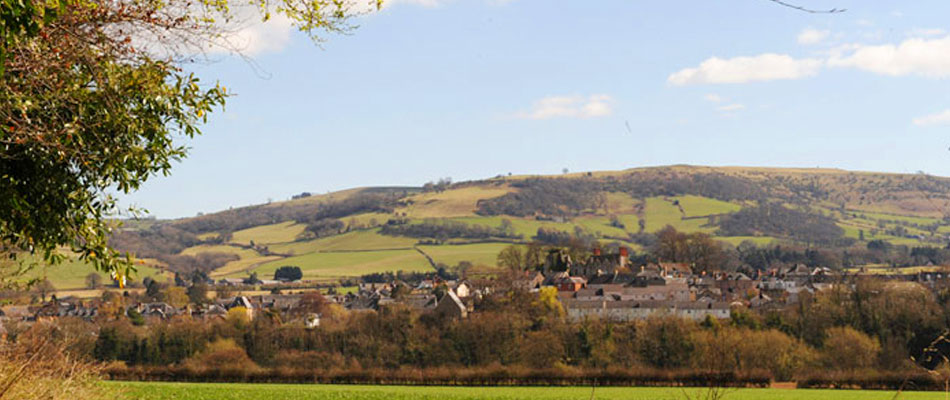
{"points": [[367, 230]]}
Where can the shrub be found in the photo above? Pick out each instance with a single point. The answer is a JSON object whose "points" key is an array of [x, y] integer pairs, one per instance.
{"points": [[847, 349]]}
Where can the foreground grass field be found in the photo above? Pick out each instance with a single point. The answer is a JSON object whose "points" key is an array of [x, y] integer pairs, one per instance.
{"points": [[229, 391]]}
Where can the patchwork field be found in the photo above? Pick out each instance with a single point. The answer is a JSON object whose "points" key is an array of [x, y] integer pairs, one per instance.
{"points": [[237, 391], [900, 209]]}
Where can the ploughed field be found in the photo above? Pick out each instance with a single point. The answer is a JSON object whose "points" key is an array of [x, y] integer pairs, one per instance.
{"points": [[228, 391]]}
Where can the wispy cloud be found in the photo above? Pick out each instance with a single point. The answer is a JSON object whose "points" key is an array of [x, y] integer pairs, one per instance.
{"points": [[811, 36], [924, 57], [592, 106], [940, 118], [723, 108], [760, 68]]}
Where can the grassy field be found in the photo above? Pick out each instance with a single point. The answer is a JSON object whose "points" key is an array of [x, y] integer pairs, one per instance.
{"points": [[527, 228], [329, 266], [71, 275], [356, 240], [695, 206], [478, 254], [660, 212], [235, 391], [450, 203], [269, 234]]}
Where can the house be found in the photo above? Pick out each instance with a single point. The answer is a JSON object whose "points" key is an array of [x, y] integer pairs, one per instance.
{"points": [[794, 294], [464, 289], [60, 309], [570, 284], [735, 284], [278, 302], [419, 302], [375, 286], [211, 311], [675, 291], [237, 301], [600, 264], [762, 300], [157, 310], [608, 280], [532, 280], [799, 272], [451, 307], [677, 270]]}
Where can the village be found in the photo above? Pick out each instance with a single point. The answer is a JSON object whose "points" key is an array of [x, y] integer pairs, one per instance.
{"points": [[605, 287]]}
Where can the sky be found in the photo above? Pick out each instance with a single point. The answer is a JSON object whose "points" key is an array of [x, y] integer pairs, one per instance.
{"points": [[469, 89]]}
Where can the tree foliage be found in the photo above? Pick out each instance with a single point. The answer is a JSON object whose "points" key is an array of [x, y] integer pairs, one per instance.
{"points": [[94, 100]]}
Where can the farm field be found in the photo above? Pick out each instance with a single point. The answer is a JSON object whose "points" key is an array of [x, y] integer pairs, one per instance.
{"points": [[269, 234], [661, 212], [485, 254], [459, 202], [369, 239], [330, 266], [235, 391], [695, 206], [71, 274]]}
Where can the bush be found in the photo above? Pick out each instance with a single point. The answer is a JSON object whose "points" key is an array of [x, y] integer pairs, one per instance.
{"points": [[40, 366], [222, 355], [288, 273], [847, 349]]}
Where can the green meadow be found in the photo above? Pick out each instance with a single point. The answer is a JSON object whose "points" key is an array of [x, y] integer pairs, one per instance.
{"points": [[335, 265], [239, 391]]}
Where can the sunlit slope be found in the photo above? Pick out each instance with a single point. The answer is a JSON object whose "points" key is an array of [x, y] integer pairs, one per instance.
{"points": [[616, 206]]}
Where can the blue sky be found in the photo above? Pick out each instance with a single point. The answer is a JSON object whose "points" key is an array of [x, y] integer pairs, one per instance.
{"points": [[470, 89]]}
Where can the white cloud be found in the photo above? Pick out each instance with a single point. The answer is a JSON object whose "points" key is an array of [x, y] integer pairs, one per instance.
{"points": [[596, 105], [940, 118], [763, 67], [924, 57], [812, 36], [731, 107], [723, 108]]}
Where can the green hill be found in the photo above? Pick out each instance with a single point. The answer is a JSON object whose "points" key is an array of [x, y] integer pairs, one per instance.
{"points": [[365, 230]]}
